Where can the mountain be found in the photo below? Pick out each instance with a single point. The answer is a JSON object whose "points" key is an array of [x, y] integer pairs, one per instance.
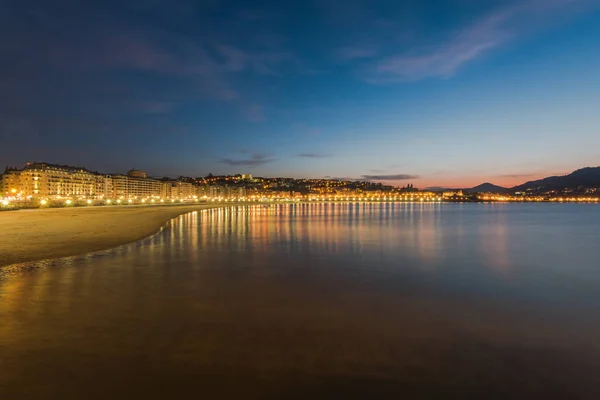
{"points": [[586, 177], [487, 188]]}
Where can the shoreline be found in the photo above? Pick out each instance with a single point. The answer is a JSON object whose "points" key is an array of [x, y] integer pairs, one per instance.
{"points": [[46, 234]]}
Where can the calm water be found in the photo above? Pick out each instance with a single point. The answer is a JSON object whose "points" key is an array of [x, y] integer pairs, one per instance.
{"points": [[302, 301]]}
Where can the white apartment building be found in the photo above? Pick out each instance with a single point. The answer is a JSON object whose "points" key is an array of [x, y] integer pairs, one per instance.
{"points": [[43, 180]]}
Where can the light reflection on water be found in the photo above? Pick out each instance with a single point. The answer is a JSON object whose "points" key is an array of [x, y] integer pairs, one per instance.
{"points": [[427, 295]]}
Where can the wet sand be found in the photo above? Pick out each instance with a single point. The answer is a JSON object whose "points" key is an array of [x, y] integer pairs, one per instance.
{"points": [[31, 235]]}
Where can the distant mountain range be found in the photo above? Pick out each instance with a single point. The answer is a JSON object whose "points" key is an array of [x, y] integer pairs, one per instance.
{"points": [[488, 188], [584, 177]]}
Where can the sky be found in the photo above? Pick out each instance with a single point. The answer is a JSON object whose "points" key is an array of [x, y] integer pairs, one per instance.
{"points": [[444, 93]]}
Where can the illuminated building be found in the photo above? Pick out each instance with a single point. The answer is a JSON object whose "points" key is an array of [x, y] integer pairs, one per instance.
{"points": [[202, 190], [178, 189], [104, 186], [136, 173], [11, 183], [453, 193], [225, 192], [184, 190], [134, 185], [216, 191], [50, 180]]}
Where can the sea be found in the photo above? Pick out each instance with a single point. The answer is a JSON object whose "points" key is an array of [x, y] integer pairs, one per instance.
{"points": [[318, 300]]}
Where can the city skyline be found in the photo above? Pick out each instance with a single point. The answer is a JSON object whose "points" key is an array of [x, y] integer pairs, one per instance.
{"points": [[585, 179], [449, 94]]}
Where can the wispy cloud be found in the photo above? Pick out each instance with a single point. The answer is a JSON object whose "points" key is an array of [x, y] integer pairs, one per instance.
{"points": [[489, 32], [255, 160], [446, 59], [107, 44], [394, 177], [312, 155]]}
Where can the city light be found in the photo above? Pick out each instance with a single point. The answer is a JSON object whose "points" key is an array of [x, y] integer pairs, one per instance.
{"points": [[68, 202], [43, 202], [67, 183]]}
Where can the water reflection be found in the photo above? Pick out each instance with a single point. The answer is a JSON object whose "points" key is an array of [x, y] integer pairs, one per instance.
{"points": [[424, 294], [330, 228]]}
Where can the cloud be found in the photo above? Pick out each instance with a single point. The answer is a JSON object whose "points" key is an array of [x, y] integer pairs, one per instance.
{"points": [[312, 155], [445, 59], [255, 160], [395, 177]]}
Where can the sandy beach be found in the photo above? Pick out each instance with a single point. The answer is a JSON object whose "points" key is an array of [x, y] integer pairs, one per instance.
{"points": [[30, 235]]}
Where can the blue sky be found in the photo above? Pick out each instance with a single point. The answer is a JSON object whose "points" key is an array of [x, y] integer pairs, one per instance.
{"points": [[435, 93]]}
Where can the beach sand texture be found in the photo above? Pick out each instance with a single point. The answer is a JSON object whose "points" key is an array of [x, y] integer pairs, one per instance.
{"points": [[30, 235]]}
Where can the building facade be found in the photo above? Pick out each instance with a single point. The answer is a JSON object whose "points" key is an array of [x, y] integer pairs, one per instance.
{"points": [[136, 173], [11, 183], [173, 189], [50, 181], [225, 192], [43, 180], [104, 187], [133, 186]]}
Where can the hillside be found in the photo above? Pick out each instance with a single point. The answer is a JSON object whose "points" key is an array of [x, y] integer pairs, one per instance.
{"points": [[586, 177], [487, 188]]}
